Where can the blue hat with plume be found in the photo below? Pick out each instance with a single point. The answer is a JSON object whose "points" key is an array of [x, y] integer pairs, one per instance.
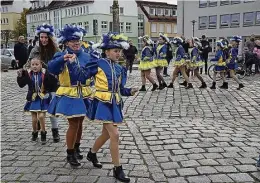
{"points": [[236, 38], [220, 43], [71, 32], [45, 28], [177, 40]]}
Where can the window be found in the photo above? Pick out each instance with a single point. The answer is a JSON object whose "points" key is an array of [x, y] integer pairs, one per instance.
{"points": [[166, 12], [77, 10], [121, 26], [128, 27], [81, 10], [6, 9], [140, 43], [110, 26], [121, 10], [235, 1], [224, 2], [159, 11], [203, 22], [174, 12], [203, 3], [257, 18], [68, 12], [84, 10], [212, 43], [249, 19], [152, 11], [45, 16], [168, 28], [104, 26], [175, 29], [80, 24], [72, 12], [213, 3], [161, 28], [87, 10], [213, 22], [154, 27], [235, 20], [111, 9], [86, 26], [224, 21]]}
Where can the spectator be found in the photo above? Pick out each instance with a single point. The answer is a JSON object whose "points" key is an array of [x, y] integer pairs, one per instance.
{"points": [[130, 55], [250, 44], [205, 53], [257, 52], [30, 46], [20, 52], [169, 56]]}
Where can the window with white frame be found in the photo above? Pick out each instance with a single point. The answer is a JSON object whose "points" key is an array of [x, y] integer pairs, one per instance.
{"points": [[168, 28], [224, 21], [224, 2], [174, 12], [153, 27], [6, 20], [213, 3], [203, 3], [235, 1], [111, 9], [45, 16], [84, 9], [257, 18], [128, 27], [121, 10], [87, 10], [159, 11], [121, 26], [235, 20], [77, 10], [175, 29], [68, 10], [249, 19], [80, 24], [72, 12], [212, 22], [203, 21], [161, 28], [110, 26], [151, 11], [56, 24], [86, 26], [166, 12], [104, 26], [81, 11], [140, 43]]}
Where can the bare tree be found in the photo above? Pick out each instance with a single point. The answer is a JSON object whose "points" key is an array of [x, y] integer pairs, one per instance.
{"points": [[6, 35]]}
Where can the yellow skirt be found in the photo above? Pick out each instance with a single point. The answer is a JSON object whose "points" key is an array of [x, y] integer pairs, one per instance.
{"points": [[179, 62], [194, 65], [161, 63], [146, 65]]}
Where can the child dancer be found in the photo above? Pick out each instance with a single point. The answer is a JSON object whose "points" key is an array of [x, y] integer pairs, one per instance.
{"points": [[147, 63], [220, 66], [70, 96], [179, 63], [231, 61], [37, 97], [106, 106]]}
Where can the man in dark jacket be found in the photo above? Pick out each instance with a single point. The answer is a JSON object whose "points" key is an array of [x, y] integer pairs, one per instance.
{"points": [[205, 53], [20, 52], [130, 55], [169, 56]]}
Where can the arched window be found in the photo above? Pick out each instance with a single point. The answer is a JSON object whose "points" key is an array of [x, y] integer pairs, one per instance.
{"points": [[6, 20], [77, 10], [81, 11]]}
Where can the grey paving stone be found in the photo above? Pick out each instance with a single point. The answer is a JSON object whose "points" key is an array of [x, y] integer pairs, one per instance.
{"points": [[220, 178], [190, 163], [86, 179], [226, 169], [177, 180], [170, 165], [199, 179], [241, 177], [67, 178], [46, 178], [206, 170], [246, 168], [187, 171]]}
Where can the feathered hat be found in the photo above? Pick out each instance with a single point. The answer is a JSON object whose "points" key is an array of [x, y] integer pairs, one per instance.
{"points": [[177, 40], [95, 54], [164, 36], [196, 41], [112, 40], [147, 39], [71, 32], [236, 38], [45, 28], [220, 43]]}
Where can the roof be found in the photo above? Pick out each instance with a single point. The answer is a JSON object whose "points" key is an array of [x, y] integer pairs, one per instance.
{"points": [[155, 4], [5, 2]]}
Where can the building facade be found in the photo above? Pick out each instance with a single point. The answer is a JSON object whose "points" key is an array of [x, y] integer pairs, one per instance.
{"points": [[155, 18], [219, 19], [94, 16]]}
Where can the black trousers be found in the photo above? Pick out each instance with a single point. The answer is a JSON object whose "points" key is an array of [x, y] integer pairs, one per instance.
{"points": [[205, 60], [129, 64], [166, 68]]}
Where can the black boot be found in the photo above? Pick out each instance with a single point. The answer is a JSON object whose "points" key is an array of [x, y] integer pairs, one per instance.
{"points": [[240, 86], [203, 85], [189, 86], [224, 86], [213, 86], [170, 85], [162, 86], [55, 135], [34, 136], [155, 86], [119, 174], [77, 151], [43, 137], [143, 88], [184, 83], [93, 158], [71, 158]]}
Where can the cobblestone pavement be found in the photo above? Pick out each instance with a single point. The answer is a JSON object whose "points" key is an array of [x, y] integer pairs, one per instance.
{"points": [[194, 136]]}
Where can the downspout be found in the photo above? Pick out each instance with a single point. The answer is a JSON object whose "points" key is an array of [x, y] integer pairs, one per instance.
{"points": [[183, 17]]}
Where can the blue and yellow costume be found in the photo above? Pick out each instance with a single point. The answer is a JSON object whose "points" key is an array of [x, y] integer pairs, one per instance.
{"points": [[147, 62], [219, 58], [109, 78], [195, 59], [38, 86], [160, 55], [179, 52], [231, 61]]}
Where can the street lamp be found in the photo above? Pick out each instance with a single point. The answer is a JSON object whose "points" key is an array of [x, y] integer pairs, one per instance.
{"points": [[193, 23], [115, 8]]}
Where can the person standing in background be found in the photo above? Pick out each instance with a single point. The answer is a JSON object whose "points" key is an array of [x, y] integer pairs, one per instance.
{"points": [[205, 53], [169, 57], [130, 55], [20, 52], [30, 46]]}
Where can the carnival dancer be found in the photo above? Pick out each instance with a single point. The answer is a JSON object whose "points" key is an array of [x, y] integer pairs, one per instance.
{"points": [[179, 63], [195, 62], [232, 58], [160, 59], [220, 66], [147, 63], [39, 83], [69, 99], [46, 49], [106, 106]]}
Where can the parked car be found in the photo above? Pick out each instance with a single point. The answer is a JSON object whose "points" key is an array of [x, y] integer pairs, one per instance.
{"points": [[8, 59]]}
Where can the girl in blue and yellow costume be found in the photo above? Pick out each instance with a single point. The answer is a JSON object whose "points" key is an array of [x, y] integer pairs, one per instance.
{"points": [[232, 58], [69, 100], [106, 106], [220, 65], [195, 60], [179, 63], [160, 59], [39, 85], [147, 63]]}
